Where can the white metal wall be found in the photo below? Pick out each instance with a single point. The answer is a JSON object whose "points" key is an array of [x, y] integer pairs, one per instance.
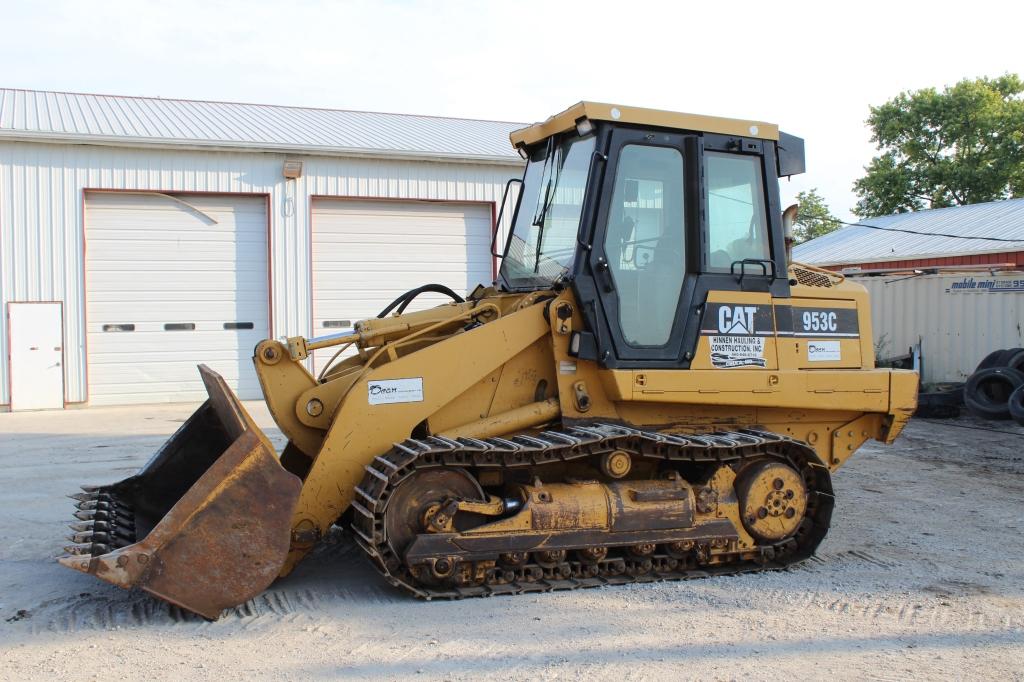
{"points": [[959, 318], [41, 230]]}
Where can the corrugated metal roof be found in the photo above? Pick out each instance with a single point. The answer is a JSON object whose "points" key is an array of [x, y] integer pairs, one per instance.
{"points": [[107, 119], [859, 244]]}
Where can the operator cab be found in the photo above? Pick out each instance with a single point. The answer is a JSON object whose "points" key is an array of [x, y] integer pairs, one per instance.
{"points": [[642, 213]]}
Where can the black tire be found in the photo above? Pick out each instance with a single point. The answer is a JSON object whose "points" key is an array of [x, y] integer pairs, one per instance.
{"points": [[987, 393], [993, 359], [1016, 405], [1013, 358]]}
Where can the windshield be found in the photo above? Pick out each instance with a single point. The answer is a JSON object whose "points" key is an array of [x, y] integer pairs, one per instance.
{"points": [[543, 242]]}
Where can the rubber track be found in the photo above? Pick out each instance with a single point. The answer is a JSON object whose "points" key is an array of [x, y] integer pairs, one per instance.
{"points": [[387, 471]]}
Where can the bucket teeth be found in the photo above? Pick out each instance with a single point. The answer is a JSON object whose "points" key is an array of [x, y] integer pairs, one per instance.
{"points": [[102, 504], [102, 526], [90, 549], [79, 549], [89, 537], [92, 514], [82, 497], [111, 518], [91, 488]]}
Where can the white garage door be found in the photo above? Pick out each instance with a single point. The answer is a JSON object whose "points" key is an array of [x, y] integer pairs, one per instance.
{"points": [[173, 281], [367, 253]]}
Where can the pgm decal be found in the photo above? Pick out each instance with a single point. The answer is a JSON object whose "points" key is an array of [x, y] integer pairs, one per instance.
{"points": [[737, 351], [389, 391], [824, 351]]}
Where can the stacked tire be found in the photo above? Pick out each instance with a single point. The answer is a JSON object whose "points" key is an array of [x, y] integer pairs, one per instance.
{"points": [[996, 389]]}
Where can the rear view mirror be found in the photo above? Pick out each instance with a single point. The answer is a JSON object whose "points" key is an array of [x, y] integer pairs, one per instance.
{"points": [[790, 158]]}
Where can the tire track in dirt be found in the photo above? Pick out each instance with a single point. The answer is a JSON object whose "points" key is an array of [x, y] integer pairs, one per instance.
{"points": [[337, 574], [138, 609]]}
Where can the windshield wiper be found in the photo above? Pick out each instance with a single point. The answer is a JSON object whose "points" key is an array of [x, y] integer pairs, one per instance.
{"points": [[549, 196]]}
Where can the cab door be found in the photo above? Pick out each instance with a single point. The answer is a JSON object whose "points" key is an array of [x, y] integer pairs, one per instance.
{"points": [[640, 271], [685, 235]]}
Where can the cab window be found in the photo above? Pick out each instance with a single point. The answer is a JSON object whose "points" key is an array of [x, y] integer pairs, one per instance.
{"points": [[645, 242], [737, 224]]}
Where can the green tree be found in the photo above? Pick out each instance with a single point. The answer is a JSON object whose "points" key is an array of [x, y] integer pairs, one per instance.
{"points": [[813, 218], [964, 145]]}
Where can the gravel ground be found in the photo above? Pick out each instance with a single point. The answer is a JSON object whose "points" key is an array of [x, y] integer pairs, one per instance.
{"points": [[921, 576]]}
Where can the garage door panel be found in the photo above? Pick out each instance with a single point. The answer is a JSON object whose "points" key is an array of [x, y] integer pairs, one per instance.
{"points": [[368, 257], [214, 286], [136, 373], [202, 257], [157, 343], [367, 253], [199, 292], [212, 315], [153, 261]]}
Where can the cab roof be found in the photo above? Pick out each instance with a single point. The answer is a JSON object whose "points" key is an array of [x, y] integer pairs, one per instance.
{"points": [[598, 111]]}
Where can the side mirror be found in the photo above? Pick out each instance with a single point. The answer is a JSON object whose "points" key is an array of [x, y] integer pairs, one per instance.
{"points": [[790, 155]]}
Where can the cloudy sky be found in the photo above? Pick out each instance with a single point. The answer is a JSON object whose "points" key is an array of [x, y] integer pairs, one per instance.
{"points": [[814, 68]]}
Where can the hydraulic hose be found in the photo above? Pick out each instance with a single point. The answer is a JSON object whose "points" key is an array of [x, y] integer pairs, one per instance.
{"points": [[403, 301]]}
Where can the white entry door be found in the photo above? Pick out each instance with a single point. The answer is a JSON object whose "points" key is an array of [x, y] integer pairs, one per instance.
{"points": [[37, 356]]}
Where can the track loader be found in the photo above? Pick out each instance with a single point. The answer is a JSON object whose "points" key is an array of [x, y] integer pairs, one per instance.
{"points": [[650, 390]]}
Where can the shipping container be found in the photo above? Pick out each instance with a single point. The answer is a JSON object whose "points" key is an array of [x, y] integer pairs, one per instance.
{"points": [[958, 317]]}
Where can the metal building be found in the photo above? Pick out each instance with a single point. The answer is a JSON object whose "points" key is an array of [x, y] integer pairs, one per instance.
{"points": [[166, 232], [979, 234]]}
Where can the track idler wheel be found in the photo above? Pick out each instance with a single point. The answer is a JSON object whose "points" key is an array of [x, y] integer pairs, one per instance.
{"points": [[418, 501], [772, 499]]}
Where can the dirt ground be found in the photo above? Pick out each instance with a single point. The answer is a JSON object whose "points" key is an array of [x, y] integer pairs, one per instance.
{"points": [[922, 575]]}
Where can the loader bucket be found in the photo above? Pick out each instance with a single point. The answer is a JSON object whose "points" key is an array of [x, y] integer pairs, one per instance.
{"points": [[205, 524]]}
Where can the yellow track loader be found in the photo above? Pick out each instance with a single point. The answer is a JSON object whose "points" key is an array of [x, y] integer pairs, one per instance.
{"points": [[650, 390]]}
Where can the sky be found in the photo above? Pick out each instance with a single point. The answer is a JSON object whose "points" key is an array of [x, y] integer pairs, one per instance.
{"points": [[814, 68]]}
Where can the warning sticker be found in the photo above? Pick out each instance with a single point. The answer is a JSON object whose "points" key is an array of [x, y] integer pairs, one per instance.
{"points": [[737, 351], [390, 391]]}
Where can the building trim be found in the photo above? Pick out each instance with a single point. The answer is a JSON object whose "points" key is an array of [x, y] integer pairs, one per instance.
{"points": [[1000, 258], [252, 147]]}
